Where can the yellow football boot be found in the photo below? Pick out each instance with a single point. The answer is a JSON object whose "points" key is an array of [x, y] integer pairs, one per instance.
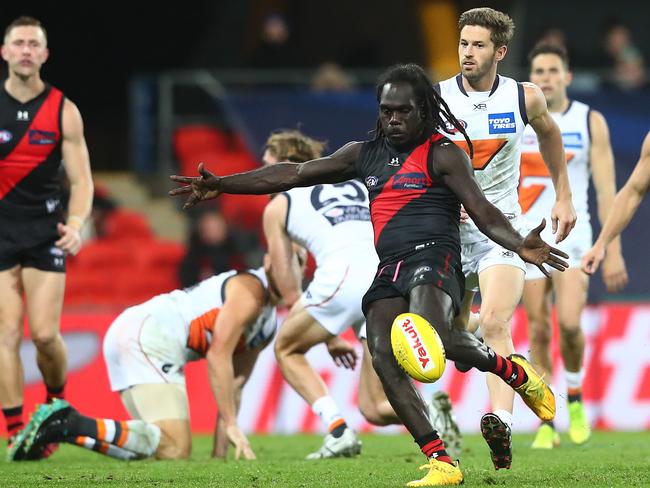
{"points": [[547, 438], [439, 474], [579, 428], [535, 392]]}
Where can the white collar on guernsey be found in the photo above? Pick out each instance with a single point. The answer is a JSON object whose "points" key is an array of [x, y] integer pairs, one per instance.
{"points": [[459, 82]]}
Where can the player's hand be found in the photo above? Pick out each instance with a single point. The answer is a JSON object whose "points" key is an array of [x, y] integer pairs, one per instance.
{"points": [[343, 353], [70, 239], [198, 188], [535, 251], [614, 272], [563, 219], [464, 216], [240, 443], [592, 259]]}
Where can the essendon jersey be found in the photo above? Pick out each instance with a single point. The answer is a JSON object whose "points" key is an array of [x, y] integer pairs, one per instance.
{"points": [[410, 207], [30, 153]]}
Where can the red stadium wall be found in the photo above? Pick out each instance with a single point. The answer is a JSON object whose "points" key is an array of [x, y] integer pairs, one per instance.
{"points": [[617, 387]]}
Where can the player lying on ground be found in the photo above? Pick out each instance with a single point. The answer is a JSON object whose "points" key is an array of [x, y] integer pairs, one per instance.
{"points": [[417, 180], [227, 319]]}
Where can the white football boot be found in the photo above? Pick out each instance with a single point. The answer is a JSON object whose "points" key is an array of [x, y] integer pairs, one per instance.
{"points": [[347, 445]]}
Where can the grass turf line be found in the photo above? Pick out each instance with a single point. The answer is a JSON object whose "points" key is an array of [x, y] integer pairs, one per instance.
{"points": [[609, 459]]}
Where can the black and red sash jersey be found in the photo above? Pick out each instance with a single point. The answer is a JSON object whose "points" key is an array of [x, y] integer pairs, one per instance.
{"points": [[30, 153], [410, 207]]}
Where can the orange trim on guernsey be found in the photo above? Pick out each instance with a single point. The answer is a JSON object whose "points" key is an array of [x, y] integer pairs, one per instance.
{"points": [[197, 339], [484, 150], [532, 165], [101, 430]]}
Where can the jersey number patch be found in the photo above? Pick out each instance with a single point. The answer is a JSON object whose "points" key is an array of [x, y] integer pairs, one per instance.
{"points": [[338, 209]]}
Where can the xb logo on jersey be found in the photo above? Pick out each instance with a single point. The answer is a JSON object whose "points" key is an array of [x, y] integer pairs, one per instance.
{"points": [[502, 123]]}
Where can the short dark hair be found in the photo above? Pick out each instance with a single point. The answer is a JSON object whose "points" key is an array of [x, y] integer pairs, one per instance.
{"points": [[546, 48], [501, 26], [434, 108], [25, 20], [292, 145]]}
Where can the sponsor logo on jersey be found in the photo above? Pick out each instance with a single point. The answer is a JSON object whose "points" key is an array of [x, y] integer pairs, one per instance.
{"points": [[449, 128], [529, 140], [51, 204], [371, 181], [480, 106], [422, 269], [22, 115], [572, 140], [503, 123], [41, 137], [5, 136], [410, 181], [394, 161], [347, 213]]}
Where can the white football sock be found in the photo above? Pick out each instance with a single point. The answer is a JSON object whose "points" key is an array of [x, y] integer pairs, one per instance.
{"points": [[328, 411], [505, 416], [573, 380]]}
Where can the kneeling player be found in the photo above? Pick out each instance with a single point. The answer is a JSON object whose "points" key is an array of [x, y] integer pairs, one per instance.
{"points": [[228, 319]]}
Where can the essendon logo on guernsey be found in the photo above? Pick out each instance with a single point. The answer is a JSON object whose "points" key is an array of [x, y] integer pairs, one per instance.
{"points": [[415, 342]]}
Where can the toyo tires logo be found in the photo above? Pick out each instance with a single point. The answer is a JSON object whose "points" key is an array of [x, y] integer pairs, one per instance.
{"points": [[415, 342]]}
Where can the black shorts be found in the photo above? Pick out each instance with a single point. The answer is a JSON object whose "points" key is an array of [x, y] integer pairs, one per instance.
{"points": [[29, 242], [436, 265]]}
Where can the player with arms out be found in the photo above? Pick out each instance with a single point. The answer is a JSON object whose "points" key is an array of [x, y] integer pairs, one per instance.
{"points": [[588, 150], [493, 111], [625, 203], [227, 319], [39, 128], [416, 181], [332, 221]]}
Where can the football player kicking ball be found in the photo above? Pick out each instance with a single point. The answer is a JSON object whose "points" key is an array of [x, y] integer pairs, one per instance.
{"points": [[227, 319], [417, 180], [588, 150]]}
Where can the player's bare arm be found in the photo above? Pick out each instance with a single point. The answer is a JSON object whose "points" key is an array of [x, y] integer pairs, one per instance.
{"points": [[335, 168], [625, 204], [245, 298], [604, 178], [280, 248], [76, 162], [563, 215], [453, 165]]}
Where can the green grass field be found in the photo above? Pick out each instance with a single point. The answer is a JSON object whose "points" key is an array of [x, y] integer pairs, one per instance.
{"points": [[610, 459]]}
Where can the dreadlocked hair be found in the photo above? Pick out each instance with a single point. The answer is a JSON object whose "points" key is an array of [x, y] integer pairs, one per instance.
{"points": [[435, 109]]}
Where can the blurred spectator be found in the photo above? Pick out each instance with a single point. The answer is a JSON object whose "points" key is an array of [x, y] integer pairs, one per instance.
{"points": [[331, 77], [628, 71], [553, 36], [275, 50], [210, 249]]}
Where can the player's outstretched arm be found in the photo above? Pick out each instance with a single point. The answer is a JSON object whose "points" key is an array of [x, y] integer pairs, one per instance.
{"points": [[244, 299], [625, 205], [284, 260], [603, 175], [563, 215], [335, 168], [453, 166]]}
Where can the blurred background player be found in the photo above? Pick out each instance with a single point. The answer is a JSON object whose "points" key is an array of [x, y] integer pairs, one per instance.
{"points": [[625, 203], [40, 127], [333, 223], [417, 180], [493, 111], [227, 319], [588, 150]]}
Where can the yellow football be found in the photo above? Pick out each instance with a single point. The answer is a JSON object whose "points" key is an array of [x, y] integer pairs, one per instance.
{"points": [[417, 348]]}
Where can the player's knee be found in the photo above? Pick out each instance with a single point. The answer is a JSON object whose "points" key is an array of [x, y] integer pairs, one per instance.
{"points": [[174, 449], [570, 333], [45, 340], [495, 325], [11, 337], [539, 334]]}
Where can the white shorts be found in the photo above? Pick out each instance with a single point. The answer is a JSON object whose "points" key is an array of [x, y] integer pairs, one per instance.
{"points": [[477, 256], [576, 245], [145, 345], [334, 296]]}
